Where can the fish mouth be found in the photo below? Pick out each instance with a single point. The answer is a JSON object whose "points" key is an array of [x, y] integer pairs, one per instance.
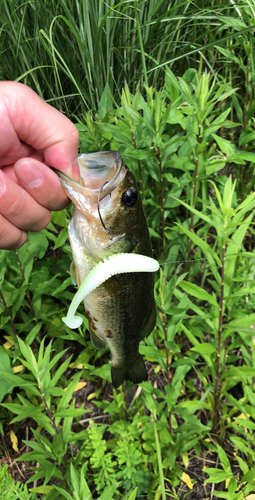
{"points": [[99, 173]]}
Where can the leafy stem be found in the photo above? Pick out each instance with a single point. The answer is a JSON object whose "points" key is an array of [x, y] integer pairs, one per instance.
{"points": [[9, 314], [162, 204], [193, 205], [27, 290], [125, 403], [55, 429], [216, 391], [138, 161], [167, 350], [47, 408]]}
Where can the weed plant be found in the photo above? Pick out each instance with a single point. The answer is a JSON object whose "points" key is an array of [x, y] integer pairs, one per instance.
{"points": [[189, 140]]}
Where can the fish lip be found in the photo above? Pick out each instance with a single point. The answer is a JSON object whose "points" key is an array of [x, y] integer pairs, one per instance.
{"points": [[65, 177], [108, 187]]}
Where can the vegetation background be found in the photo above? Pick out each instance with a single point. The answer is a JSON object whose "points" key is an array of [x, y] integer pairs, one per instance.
{"points": [[170, 85]]}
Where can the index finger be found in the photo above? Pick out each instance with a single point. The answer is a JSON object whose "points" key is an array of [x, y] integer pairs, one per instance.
{"points": [[41, 126]]}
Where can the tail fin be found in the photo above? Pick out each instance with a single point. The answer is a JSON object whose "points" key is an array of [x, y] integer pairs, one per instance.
{"points": [[136, 373]]}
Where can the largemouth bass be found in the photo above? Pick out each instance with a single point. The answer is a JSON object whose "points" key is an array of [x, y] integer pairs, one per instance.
{"points": [[108, 219]]}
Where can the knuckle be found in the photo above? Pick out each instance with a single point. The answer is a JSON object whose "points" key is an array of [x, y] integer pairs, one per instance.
{"points": [[42, 222], [10, 236], [13, 210], [74, 132]]}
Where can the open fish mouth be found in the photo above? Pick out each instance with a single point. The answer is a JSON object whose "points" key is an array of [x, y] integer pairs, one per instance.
{"points": [[95, 196], [104, 168]]}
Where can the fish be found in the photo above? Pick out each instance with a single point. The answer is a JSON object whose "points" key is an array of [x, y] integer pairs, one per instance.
{"points": [[108, 218]]}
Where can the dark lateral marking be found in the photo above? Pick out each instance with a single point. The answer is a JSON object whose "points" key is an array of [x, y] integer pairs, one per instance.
{"points": [[108, 333], [92, 325], [95, 319]]}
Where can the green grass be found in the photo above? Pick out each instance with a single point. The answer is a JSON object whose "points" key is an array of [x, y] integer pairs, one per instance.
{"points": [[70, 49]]}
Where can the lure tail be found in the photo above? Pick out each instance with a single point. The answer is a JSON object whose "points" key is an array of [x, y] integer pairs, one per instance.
{"points": [[136, 373]]}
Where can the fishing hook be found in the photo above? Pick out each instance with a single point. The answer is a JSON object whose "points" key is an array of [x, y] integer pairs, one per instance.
{"points": [[98, 209]]}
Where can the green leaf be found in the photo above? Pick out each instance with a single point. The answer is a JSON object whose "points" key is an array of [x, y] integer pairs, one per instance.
{"points": [[64, 493], [238, 109], [225, 146], [249, 476], [84, 488], [105, 101], [216, 475], [28, 354], [63, 367], [228, 54], [18, 381], [242, 464], [108, 493], [233, 22], [43, 490], [67, 396], [32, 334], [137, 154], [244, 422], [5, 367], [59, 218], [241, 444], [210, 254], [232, 253], [245, 320], [227, 495], [154, 233], [198, 292], [247, 138], [70, 412], [67, 282], [132, 495], [228, 194], [204, 348], [61, 239], [247, 201], [224, 459], [74, 479], [196, 212]]}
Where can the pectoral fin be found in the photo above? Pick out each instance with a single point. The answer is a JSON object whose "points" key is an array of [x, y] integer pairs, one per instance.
{"points": [[73, 273], [98, 343]]}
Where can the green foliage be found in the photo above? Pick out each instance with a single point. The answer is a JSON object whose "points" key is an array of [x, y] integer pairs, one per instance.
{"points": [[172, 141], [11, 491], [70, 52], [190, 141], [246, 483]]}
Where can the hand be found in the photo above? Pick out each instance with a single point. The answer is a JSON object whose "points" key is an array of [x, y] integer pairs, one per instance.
{"points": [[33, 135]]}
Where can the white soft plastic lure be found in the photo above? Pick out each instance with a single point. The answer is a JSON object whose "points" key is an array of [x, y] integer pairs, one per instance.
{"points": [[115, 264]]}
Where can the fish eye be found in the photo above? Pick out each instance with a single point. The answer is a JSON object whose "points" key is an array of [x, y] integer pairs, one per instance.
{"points": [[129, 197]]}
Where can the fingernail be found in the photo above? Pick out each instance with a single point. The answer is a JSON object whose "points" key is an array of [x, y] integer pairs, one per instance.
{"points": [[28, 173]]}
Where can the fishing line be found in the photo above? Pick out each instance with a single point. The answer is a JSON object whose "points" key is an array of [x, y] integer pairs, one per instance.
{"points": [[98, 209], [205, 259]]}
